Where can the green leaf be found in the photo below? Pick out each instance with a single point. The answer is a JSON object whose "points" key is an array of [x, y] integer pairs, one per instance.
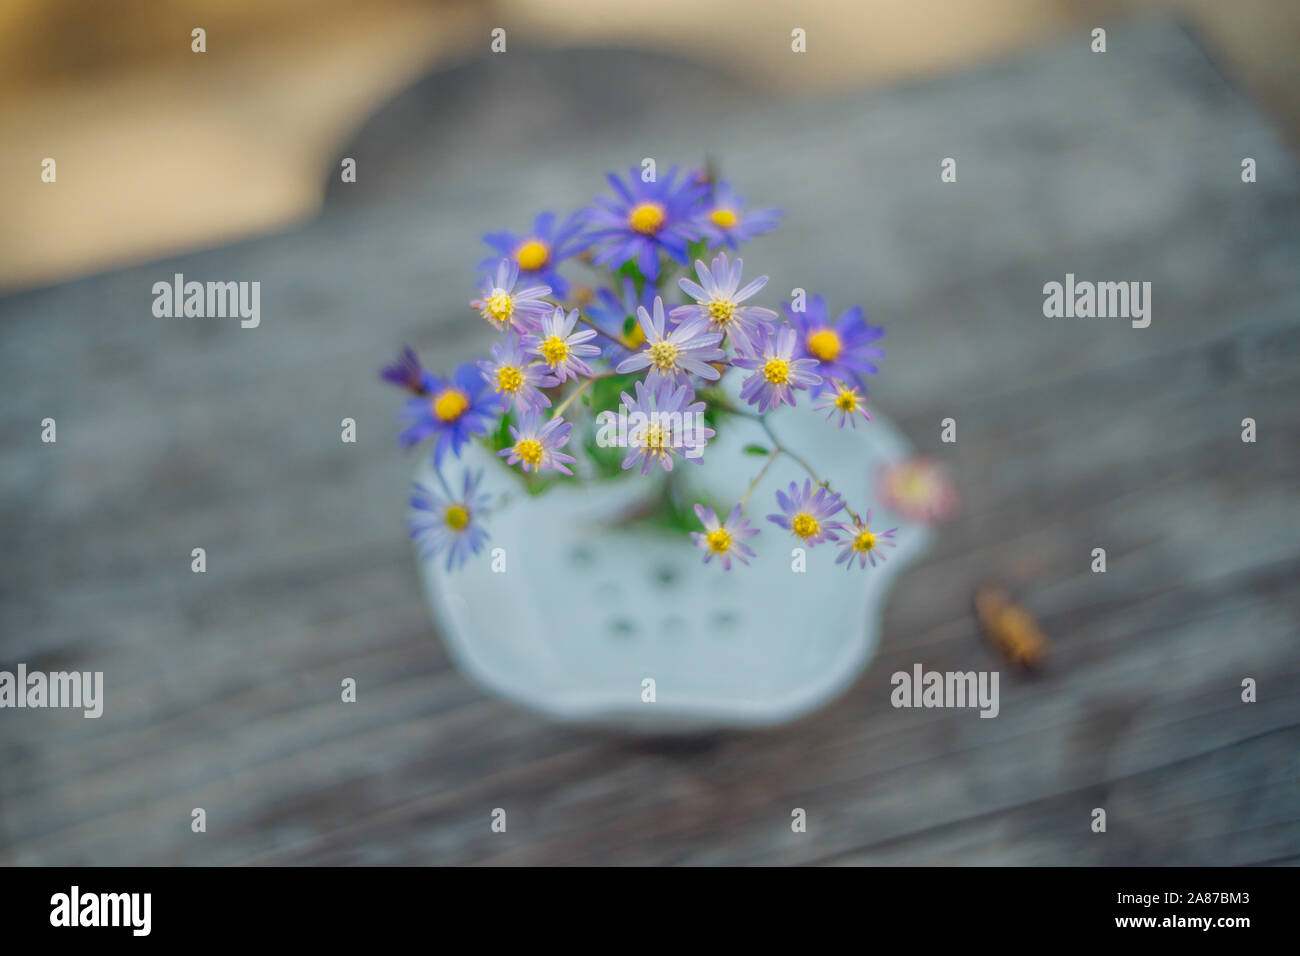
{"points": [[629, 324], [605, 393], [676, 514], [500, 439], [757, 450], [607, 460], [629, 270]]}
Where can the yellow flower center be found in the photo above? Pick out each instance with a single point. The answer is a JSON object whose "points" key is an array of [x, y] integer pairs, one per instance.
{"points": [[555, 350], [865, 541], [509, 379], [824, 344], [719, 541], [456, 517], [634, 338], [777, 371], [914, 484], [804, 525], [846, 401], [655, 438], [647, 218], [533, 254], [721, 311], [530, 450], [500, 306], [450, 404], [663, 355], [724, 218]]}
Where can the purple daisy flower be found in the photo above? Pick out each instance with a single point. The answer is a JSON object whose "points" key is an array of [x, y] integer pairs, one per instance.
{"points": [[561, 348], [845, 400], [502, 305], [725, 220], [449, 523], [611, 313], [864, 544], [674, 357], [661, 422], [515, 377], [843, 347], [725, 538], [777, 373], [406, 372], [539, 253], [717, 303], [450, 411], [538, 447], [644, 219], [806, 514]]}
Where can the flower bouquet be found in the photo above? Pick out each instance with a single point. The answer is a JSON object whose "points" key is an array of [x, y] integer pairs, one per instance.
{"points": [[632, 409]]}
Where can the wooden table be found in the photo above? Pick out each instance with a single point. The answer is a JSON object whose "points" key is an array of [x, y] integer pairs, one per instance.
{"points": [[223, 688]]}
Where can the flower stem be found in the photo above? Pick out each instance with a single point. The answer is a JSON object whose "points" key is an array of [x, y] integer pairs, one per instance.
{"points": [[767, 466], [798, 459], [576, 392], [617, 341]]}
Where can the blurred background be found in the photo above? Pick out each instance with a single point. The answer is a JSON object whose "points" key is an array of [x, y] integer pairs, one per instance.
{"points": [[223, 687], [188, 151]]}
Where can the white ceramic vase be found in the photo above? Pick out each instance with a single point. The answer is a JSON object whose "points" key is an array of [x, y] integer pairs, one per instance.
{"points": [[584, 615]]}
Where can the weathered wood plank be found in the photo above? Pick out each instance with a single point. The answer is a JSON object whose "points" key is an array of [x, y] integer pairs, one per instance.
{"points": [[1072, 434]]}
